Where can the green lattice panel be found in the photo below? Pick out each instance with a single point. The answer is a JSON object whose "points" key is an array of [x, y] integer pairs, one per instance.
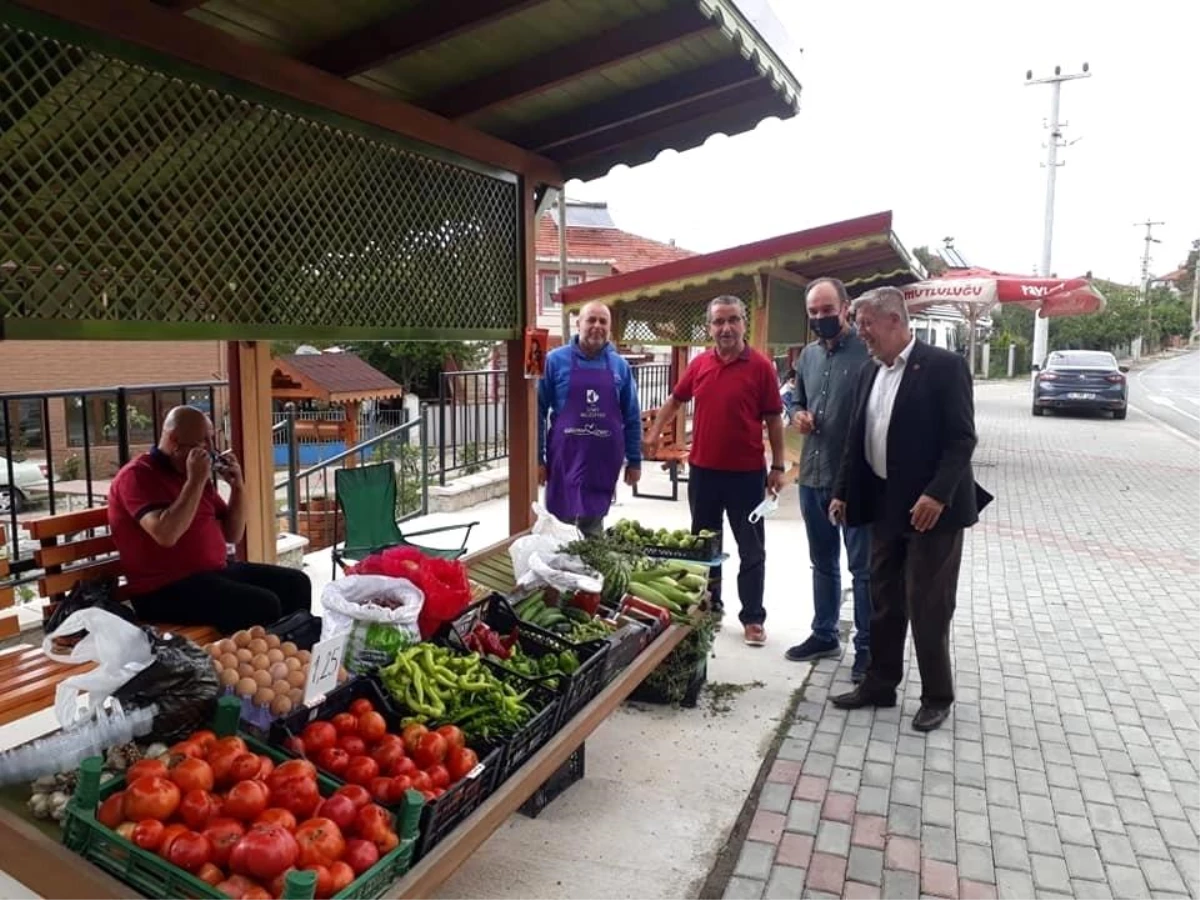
{"points": [[131, 198], [673, 319]]}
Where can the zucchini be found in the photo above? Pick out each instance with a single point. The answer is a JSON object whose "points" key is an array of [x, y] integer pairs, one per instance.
{"points": [[650, 595], [674, 592]]}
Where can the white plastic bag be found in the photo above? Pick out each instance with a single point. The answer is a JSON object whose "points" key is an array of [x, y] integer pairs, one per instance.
{"points": [[121, 648], [379, 612], [538, 558]]}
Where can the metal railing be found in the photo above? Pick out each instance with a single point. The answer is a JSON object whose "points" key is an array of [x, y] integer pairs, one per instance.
{"points": [[653, 382], [471, 419], [89, 432]]}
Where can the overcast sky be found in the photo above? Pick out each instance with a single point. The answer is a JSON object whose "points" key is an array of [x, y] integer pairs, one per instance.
{"points": [[921, 108]]}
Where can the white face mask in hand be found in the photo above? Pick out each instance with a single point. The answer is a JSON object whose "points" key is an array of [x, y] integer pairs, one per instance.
{"points": [[769, 505]]}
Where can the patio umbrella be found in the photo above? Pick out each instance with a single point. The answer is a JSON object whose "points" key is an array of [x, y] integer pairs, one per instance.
{"points": [[975, 292]]}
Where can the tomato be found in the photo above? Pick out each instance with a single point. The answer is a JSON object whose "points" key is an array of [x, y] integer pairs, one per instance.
{"points": [[205, 738], [151, 797], [126, 829], [222, 834], [232, 742], [198, 808], [372, 822], [437, 792], [361, 770], [155, 767], [333, 759], [460, 762], [400, 784], [277, 816], [360, 706], [317, 736], [372, 726], [210, 874], [321, 842], [264, 852], [187, 750], [300, 796], [429, 796], [339, 809], [189, 851], [422, 782], [235, 886], [358, 794], [388, 842], [439, 775], [404, 766], [380, 788], [148, 834], [455, 740], [412, 736], [360, 855], [294, 745], [244, 767], [193, 774], [256, 892], [220, 760], [387, 754], [293, 768], [352, 744], [170, 833], [111, 812], [266, 766], [345, 723], [340, 877], [324, 886], [431, 750], [246, 800]]}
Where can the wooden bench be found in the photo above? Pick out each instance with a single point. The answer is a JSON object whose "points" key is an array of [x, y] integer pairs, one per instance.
{"points": [[8, 616], [70, 552], [671, 451]]}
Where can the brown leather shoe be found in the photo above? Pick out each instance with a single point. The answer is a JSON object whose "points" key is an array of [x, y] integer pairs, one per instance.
{"points": [[754, 635]]}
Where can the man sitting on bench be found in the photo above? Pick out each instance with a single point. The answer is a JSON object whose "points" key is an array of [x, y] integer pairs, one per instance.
{"points": [[171, 528]]}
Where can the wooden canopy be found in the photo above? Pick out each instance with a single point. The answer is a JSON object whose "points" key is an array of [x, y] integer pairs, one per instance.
{"points": [[330, 378]]}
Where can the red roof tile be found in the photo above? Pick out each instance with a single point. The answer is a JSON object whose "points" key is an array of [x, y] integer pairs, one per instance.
{"points": [[625, 252], [337, 376]]}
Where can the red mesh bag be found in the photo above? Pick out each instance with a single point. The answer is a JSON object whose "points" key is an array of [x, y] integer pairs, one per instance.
{"points": [[447, 593]]}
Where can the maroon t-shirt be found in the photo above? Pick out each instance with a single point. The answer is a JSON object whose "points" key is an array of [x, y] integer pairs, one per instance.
{"points": [[732, 399], [151, 483]]}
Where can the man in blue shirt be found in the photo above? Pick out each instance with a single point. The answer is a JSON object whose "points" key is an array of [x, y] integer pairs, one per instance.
{"points": [[588, 399]]}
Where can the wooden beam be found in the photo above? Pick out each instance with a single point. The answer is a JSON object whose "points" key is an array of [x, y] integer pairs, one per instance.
{"points": [[697, 85], [789, 276], [406, 32], [590, 54], [522, 397], [181, 38], [250, 414], [760, 315]]}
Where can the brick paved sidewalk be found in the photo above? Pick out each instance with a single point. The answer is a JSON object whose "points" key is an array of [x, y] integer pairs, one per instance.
{"points": [[1070, 764]]}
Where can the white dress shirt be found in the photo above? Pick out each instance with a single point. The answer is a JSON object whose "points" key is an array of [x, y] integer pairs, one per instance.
{"points": [[879, 409]]}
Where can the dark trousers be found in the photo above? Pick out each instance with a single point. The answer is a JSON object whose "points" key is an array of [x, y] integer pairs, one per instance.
{"points": [[713, 494], [914, 578], [590, 526], [230, 599]]}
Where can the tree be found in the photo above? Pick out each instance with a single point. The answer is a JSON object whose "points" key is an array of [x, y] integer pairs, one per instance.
{"points": [[932, 263], [1189, 274]]}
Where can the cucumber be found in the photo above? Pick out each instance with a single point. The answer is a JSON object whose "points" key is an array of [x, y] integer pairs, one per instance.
{"points": [[576, 614], [650, 595], [673, 592]]}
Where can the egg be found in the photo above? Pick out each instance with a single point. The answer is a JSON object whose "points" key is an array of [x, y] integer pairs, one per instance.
{"points": [[228, 677], [228, 646], [244, 654], [264, 696], [213, 650], [281, 706], [289, 649], [304, 656], [257, 646], [247, 687], [275, 655], [297, 679], [282, 688], [273, 641], [279, 671], [242, 638], [262, 677], [342, 674], [229, 660], [260, 661], [296, 695], [245, 670], [293, 664], [257, 631]]}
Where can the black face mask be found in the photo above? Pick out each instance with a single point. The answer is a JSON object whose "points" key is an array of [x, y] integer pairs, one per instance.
{"points": [[826, 327]]}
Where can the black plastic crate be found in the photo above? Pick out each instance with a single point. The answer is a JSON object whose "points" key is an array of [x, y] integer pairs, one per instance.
{"points": [[576, 690], [624, 646], [535, 733], [301, 628], [441, 816], [564, 776], [709, 549], [336, 701]]}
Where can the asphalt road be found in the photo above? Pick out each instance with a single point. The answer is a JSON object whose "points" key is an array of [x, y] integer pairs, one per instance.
{"points": [[1170, 392]]}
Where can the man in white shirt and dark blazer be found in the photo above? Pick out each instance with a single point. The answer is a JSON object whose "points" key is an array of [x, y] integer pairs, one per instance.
{"points": [[906, 471]]}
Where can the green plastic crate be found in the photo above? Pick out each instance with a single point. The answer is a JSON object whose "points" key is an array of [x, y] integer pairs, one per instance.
{"points": [[154, 877]]}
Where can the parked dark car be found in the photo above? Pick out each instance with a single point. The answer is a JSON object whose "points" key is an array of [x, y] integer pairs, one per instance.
{"points": [[1081, 379]]}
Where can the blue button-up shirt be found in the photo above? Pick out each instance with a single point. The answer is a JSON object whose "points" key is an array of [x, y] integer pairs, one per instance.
{"points": [[825, 387]]}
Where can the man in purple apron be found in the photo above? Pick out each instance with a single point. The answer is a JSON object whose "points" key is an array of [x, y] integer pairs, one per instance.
{"points": [[589, 397]]}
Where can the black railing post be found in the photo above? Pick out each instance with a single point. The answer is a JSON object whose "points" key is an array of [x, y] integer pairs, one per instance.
{"points": [[442, 429], [122, 427], [423, 431], [11, 482], [87, 446], [46, 446], [293, 466]]}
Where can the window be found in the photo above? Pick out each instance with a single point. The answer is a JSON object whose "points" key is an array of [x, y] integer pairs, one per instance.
{"points": [[549, 287]]}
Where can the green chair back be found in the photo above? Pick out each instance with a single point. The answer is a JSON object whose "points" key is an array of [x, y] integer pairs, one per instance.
{"points": [[367, 497]]}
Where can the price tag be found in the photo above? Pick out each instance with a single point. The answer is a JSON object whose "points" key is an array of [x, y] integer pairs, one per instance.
{"points": [[323, 667]]}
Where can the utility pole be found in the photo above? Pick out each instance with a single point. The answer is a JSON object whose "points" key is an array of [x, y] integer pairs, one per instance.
{"points": [[1196, 292], [1145, 283], [1041, 325]]}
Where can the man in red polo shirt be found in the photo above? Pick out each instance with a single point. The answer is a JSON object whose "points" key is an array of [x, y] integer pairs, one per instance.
{"points": [[736, 390], [171, 528]]}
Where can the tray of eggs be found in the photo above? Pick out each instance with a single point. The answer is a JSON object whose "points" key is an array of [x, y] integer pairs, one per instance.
{"points": [[267, 673]]}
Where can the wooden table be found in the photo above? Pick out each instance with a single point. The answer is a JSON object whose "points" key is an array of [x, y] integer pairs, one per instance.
{"points": [[41, 863]]}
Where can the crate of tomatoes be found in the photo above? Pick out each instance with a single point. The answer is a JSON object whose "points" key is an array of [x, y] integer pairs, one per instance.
{"points": [[357, 736], [226, 816]]}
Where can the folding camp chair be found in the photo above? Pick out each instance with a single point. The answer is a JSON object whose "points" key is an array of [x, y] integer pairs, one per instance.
{"points": [[366, 496]]}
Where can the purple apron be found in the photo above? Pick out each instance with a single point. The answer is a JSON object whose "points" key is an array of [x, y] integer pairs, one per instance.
{"points": [[586, 446]]}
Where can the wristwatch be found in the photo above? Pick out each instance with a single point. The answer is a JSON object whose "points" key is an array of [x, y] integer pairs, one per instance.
{"points": [[778, 469]]}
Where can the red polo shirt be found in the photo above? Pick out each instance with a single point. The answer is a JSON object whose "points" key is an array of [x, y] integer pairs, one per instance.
{"points": [[151, 483], [732, 399]]}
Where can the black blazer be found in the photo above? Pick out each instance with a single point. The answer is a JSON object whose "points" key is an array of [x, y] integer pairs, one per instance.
{"points": [[930, 441]]}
